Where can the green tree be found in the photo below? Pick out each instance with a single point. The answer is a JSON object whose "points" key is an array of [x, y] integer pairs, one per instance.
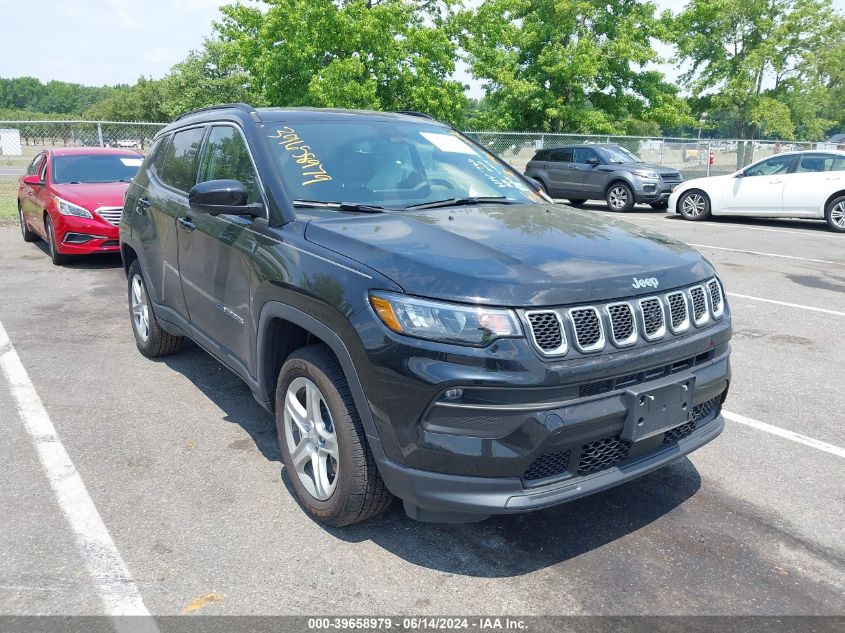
{"points": [[569, 65], [203, 78], [758, 58], [388, 55], [142, 102]]}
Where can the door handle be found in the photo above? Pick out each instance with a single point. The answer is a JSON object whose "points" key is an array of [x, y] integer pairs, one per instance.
{"points": [[143, 203], [833, 178], [186, 224], [775, 182]]}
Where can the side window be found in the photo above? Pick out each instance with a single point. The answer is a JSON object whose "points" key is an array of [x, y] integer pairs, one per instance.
{"points": [[179, 162], [561, 155], [157, 154], [815, 163], [35, 165], [583, 154], [771, 166], [226, 157], [838, 163]]}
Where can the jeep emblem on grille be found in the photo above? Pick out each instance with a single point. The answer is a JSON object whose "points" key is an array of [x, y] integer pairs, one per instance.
{"points": [[646, 282]]}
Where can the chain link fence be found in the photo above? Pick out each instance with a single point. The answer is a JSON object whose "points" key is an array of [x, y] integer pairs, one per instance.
{"points": [[694, 158], [20, 141]]}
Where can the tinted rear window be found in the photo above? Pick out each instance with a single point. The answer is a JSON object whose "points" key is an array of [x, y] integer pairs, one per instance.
{"points": [[179, 163], [84, 168]]}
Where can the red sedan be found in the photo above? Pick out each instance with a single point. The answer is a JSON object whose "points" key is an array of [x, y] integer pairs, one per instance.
{"points": [[73, 199]]}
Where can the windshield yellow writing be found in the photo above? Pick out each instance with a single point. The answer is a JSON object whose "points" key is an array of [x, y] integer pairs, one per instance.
{"points": [[311, 166]]}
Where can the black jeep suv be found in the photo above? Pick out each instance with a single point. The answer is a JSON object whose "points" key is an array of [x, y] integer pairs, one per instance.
{"points": [[421, 321]]}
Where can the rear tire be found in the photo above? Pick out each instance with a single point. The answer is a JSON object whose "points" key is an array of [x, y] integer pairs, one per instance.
{"points": [[56, 257], [324, 447], [620, 197], [28, 234], [694, 205], [151, 339], [575, 202], [834, 214]]}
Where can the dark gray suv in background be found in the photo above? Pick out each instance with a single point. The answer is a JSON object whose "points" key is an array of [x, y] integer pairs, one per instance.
{"points": [[602, 172]]}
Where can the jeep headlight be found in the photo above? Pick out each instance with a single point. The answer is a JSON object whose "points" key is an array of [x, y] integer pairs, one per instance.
{"points": [[68, 208], [647, 173], [447, 322]]}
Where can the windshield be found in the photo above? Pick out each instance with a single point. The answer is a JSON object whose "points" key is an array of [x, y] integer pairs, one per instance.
{"points": [[390, 164], [87, 168], [618, 155]]}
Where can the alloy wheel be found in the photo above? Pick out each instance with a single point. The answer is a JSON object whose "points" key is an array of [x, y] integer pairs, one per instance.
{"points": [[140, 309], [694, 205], [618, 197], [837, 215], [311, 438]]}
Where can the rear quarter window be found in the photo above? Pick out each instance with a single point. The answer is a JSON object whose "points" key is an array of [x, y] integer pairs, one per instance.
{"points": [[179, 159]]}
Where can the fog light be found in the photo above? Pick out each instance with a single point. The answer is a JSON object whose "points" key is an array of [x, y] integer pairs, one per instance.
{"points": [[453, 394]]}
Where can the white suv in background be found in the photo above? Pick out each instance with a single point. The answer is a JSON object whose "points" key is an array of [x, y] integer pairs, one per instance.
{"points": [[807, 184]]}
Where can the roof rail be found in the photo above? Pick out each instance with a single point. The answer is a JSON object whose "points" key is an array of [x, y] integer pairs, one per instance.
{"points": [[412, 113], [240, 106]]}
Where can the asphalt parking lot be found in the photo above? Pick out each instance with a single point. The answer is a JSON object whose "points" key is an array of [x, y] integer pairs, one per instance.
{"points": [[184, 471]]}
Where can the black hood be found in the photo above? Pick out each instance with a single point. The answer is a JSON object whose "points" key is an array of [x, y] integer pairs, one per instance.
{"points": [[519, 255]]}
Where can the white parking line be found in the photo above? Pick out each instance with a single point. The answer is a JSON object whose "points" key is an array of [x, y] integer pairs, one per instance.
{"points": [[789, 435], [675, 218], [118, 591], [741, 250], [788, 305]]}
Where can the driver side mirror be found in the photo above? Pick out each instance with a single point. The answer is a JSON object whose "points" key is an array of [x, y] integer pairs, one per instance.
{"points": [[593, 161], [222, 197], [33, 181]]}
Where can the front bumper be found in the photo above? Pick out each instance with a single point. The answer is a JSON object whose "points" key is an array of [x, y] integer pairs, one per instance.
{"points": [[654, 191], [437, 497], [526, 433], [84, 236]]}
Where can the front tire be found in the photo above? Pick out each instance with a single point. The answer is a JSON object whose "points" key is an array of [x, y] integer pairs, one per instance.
{"points": [[694, 205], [575, 202], [56, 257], [28, 234], [323, 444], [834, 214], [151, 339], [620, 197]]}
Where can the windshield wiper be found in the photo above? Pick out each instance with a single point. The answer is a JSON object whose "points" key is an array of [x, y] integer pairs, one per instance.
{"points": [[343, 206], [459, 202]]}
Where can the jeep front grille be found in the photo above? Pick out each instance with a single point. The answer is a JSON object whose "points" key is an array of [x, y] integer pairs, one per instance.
{"points": [[654, 326], [679, 315], [624, 323], [547, 331], [588, 331], [699, 305], [623, 327], [717, 303]]}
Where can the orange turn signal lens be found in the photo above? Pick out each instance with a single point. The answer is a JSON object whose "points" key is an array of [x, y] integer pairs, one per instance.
{"points": [[385, 311]]}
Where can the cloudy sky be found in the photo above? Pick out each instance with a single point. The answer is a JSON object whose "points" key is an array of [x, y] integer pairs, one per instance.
{"points": [[97, 42]]}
